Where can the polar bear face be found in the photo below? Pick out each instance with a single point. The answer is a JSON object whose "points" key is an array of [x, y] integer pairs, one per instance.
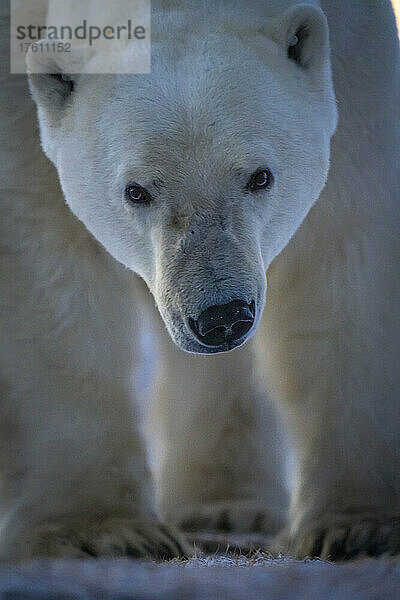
{"points": [[197, 176]]}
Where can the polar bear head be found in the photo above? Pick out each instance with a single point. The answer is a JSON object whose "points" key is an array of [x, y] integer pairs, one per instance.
{"points": [[197, 176]]}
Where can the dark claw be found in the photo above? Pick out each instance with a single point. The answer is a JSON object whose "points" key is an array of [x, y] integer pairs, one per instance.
{"points": [[316, 550], [334, 549], [88, 549], [174, 541]]}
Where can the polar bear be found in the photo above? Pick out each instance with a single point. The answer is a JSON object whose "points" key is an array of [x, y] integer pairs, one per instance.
{"points": [[207, 179]]}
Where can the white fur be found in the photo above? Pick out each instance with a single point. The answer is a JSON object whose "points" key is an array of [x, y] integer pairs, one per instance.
{"points": [[199, 125]]}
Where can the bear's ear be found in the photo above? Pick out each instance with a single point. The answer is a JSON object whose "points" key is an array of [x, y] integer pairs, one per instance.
{"points": [[51, 74], [302, 32]]}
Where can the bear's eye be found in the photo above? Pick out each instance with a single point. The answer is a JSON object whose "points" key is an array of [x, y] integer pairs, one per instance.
{"points": [[261, 179], [137, 194]]}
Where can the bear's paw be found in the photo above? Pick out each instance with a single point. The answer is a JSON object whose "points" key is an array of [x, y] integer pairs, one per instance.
{"points": [[346, 538], [109, 537]]}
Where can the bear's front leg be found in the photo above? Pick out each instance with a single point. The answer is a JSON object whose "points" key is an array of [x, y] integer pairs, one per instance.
{"points": [[220, 448], [335, 374], [346, 504], [72, 461], [75, 481]]}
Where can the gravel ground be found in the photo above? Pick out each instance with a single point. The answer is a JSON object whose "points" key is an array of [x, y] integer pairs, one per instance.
{"points": [[237, 578], [221, 572]]}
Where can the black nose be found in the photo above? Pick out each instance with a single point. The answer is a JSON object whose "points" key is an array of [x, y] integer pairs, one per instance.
{"points": [[223, 323]]}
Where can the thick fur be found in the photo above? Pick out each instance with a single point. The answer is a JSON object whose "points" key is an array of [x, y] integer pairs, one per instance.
{"points": [[223, 99]]}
